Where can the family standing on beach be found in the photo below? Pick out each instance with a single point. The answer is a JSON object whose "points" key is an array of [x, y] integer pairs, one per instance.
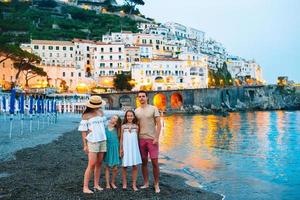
{"points": [[118, 144]]}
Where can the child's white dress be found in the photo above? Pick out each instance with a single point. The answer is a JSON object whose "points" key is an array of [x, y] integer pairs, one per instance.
{"points": [[132, 155]]}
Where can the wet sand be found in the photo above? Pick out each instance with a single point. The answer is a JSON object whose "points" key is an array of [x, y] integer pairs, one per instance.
{"points": [[55, 171]]}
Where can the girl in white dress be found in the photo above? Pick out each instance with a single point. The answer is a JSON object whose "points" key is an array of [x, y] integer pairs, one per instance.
{"points": [[129, 148], [94, 140]]}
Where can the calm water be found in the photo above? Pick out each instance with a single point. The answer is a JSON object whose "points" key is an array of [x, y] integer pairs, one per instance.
{"points": [[254, 155]]}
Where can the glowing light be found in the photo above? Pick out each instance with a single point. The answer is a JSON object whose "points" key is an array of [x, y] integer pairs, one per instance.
{"points": [[160, 101]]}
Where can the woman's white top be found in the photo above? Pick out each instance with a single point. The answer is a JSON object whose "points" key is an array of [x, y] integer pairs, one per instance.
{"points": [[95, 128], [132, 155]]}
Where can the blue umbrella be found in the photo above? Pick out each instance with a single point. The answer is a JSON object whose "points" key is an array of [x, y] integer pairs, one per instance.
{"points": [[4, 103], [12, 101], [38, 105], [48, 106], [54, 109], [21, 104], [52, 106], [31, 105], [43, 106]]}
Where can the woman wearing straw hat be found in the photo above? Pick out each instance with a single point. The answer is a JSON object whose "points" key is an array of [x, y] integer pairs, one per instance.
{"points": [[94, 140]]}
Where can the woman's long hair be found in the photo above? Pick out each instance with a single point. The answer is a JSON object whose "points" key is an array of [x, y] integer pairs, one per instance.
{"points": [[88, 110], [134, 121]]}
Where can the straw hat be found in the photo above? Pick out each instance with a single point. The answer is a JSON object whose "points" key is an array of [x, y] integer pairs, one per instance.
{"points": [[95, 102]]}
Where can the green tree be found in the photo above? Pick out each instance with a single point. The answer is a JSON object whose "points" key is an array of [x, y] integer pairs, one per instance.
{"points": [[133, 4], [10, 52], [26, 62], [32, 72], [122, 82], [220, 78]]}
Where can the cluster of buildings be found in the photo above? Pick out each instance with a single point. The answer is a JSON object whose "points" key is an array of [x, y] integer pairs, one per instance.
{"points": [[160, 57]]}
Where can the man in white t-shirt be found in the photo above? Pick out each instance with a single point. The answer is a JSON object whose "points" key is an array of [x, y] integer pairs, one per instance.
{"points": [[150, 127]]}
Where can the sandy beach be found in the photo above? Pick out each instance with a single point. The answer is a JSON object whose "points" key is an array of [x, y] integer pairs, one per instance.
{"points": [[55, 171]]}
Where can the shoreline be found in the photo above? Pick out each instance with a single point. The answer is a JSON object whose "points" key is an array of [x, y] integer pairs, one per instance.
{"points": [[55, 171]]}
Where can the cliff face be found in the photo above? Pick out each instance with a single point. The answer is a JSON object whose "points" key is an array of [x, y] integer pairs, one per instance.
{"points": [[245, 99]]}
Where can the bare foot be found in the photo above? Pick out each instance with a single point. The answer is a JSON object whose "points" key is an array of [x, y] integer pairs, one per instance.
{"points": [[145, 186], [98, 188], [108, 187], [135, 188], [113, 186], [156, 187], [124, 187], [87, 191]]}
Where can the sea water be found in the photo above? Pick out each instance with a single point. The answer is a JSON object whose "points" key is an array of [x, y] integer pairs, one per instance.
{"points": [[251, 155]]}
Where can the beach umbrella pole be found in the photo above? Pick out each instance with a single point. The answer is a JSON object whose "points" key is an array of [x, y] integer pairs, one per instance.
{"points": [[30, 124], [10, 126], [22, 123]]}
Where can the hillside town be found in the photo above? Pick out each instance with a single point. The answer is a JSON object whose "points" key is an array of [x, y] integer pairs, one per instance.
{"points": [[168, 56]]}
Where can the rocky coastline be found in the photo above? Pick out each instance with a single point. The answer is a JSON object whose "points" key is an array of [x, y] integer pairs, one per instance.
{"points": [[259, 99]]}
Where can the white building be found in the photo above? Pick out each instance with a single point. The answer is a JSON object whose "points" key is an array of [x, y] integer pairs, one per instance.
{"points": [[109, 59], [169, 74], [240, 68], [179, 31], [195, 34], [125, 37]]}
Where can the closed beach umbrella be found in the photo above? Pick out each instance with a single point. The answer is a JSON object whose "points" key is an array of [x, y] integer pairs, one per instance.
{"points": [[22, 104], [43, 105], [38, 105], [31, 105], [52, 106], [54, 109], [3, 104], [12, 101], [48, 106]]}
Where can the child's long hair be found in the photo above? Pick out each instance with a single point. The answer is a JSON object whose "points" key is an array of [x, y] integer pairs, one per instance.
{"points": [[134, 121], [118, 126]]}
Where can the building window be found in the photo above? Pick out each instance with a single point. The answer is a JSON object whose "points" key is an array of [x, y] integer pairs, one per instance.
{"points": [[71, 48], [120, 49], [120, 57], [43, 47], [87, 48], [36, 47], [110, 57], [50, 47], [71, 55], [111, 65], [102, 65], [87, 62], [50, 55], [111, 49], [64, 74], [88, 55], [102, 49], [72, 74], [102, 57], [64, 48], [57, 48], [79, 74]]}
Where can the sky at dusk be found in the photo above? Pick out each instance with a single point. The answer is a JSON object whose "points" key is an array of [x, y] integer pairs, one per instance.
{"points": [[266, 30]]}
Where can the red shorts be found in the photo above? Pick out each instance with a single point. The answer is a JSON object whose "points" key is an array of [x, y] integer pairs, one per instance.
{"points": [[147, 146]]}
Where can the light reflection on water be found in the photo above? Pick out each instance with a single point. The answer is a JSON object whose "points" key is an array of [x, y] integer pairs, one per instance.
{"points": [[252, 155]]}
